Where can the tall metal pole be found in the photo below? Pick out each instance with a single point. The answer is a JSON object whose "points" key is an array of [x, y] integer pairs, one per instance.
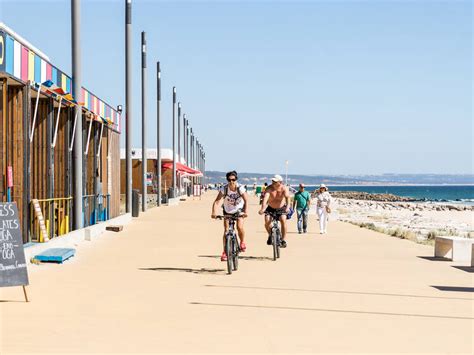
{"points": [[191, 149], [128, 105], [179, 144], [173, 192], [185, 143], [200, 161], [158, 132], [185, 155], [144, 152], [200, 167], [197, 159], [204, 167], [191, 139], [76, 91], [179, 132]]}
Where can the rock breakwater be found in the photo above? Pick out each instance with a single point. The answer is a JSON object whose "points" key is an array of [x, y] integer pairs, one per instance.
{"points": [[365, 196]]}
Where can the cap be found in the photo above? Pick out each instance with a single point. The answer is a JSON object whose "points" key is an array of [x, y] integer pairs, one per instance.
{"points": [[277, 178]]}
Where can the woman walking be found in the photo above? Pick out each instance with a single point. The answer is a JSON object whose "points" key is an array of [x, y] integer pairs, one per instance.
{"points": [[323, 207]]}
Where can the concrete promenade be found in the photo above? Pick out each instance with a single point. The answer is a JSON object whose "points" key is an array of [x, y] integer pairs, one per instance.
{"points": [[159, 286]]}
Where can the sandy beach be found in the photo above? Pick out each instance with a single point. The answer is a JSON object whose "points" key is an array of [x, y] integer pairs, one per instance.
{"points": [[159, 286]]}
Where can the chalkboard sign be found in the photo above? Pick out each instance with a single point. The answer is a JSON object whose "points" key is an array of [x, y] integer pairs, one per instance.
{"points": [[13, 271]]}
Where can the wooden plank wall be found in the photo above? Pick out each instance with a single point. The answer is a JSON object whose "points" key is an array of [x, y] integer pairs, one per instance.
{"points": [[115, 173], [39, 150], [103, 166], [61, 153], [15, 145], [89, 158], [2, 139]]}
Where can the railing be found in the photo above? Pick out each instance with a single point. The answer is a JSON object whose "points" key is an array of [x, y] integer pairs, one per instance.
{"points": [[56, 215], [96, 208]]}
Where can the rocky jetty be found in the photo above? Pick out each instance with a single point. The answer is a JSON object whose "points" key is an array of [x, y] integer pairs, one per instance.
{"points": [[365, 196], [423, 220]]}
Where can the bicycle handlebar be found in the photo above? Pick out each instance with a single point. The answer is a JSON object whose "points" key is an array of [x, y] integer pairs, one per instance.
{"points": [[231, 217]]}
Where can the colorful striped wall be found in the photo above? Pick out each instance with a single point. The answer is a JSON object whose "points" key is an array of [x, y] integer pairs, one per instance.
{"points": [[24, 64]]}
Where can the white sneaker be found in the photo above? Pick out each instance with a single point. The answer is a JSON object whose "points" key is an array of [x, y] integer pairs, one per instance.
{"points": [[321, 232]]}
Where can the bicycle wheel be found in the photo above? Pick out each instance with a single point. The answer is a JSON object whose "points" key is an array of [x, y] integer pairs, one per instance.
{"points": [[276, 244], [278, 233], [228, 250], [235, 253]]}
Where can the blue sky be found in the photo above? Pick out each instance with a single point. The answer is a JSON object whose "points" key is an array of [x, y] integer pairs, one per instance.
{"points": [[335, 87]]}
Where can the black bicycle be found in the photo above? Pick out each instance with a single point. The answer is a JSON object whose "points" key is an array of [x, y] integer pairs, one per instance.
{"points": [[232, 247], [275, 233]]}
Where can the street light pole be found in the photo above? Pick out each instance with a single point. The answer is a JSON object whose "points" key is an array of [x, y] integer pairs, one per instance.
{"points": [[76, 91], [173, 189], [185, 154], [128, 106], [191, 157], [179, 145], [158, 132], [144, 154], [286, 172]]}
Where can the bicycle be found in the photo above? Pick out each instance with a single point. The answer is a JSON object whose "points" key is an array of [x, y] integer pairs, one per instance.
{"points": [[275, 233], [232, 247]]}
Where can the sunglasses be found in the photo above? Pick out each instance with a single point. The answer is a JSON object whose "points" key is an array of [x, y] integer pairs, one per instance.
{"points": [[231, 180]]}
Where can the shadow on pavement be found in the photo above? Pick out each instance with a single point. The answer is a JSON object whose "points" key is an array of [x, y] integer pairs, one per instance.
{"points": [[433, 258], [454, 288], [11, 301], [465, 268], [341, 292], [255, 258], [330, 310], [193, 271]]}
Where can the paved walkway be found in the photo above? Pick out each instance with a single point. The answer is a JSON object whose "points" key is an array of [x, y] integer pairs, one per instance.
{"points": [[159, 286]]}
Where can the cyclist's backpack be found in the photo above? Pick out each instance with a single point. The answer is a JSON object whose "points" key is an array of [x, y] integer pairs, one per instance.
{"points": [[226, 189]]}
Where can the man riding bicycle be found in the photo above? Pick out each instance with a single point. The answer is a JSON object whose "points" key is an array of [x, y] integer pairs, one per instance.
{"points": [[276, 202], [235, 204]]}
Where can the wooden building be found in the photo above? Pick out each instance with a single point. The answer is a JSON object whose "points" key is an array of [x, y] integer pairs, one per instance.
{"points": [[37, 125], [184, 173]]}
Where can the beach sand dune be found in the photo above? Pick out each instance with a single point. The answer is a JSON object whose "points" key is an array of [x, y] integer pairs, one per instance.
{"points": [[159, 286]]}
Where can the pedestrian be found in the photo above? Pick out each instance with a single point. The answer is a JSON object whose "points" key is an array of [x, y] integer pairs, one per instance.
{"points": [[323, 207], [262, 194], [302, 202]]}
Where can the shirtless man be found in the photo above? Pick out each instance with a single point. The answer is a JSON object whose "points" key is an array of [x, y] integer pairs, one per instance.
{"points": [[276, 200]]}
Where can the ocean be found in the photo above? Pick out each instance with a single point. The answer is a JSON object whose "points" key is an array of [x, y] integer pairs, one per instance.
{"points": [[451, 193]]}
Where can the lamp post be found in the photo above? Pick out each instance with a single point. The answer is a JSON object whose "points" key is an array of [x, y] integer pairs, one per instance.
{"points": [[173, 188], [286, 172], [76, 90], [185, 155], [179, 144], [158, 132], [144, 154], [128, 105]]}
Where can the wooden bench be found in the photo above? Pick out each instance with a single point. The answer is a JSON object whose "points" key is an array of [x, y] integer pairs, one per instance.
{"points": [[454, 248]]}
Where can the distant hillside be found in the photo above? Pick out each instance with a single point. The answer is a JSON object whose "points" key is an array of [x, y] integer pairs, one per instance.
{"points": [[385, 179]]}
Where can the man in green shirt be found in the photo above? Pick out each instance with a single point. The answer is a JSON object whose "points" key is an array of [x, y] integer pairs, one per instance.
{"points": [[302, 201]]}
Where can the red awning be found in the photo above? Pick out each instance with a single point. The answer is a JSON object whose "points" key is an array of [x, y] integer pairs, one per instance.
{"points": [[181, 169]]}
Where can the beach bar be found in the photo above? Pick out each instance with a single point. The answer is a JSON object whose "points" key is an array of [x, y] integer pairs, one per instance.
{"points": [[37, 126], [186, 176]]}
